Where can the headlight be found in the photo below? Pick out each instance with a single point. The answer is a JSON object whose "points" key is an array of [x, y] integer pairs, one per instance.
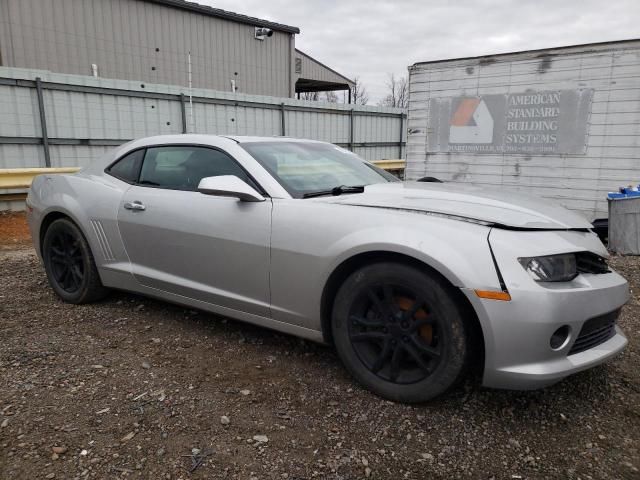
{"points": [[551, 268]]}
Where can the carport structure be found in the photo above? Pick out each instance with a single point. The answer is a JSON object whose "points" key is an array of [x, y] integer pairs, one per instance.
{"points": [[314, 76]]}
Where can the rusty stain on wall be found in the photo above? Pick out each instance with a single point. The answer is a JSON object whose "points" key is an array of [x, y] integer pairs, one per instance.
{"points": [[487, 61], [463, 169], [545, 63]]}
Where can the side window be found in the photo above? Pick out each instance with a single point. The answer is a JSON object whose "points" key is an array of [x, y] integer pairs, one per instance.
{"points": [[182, 167], [128, 167]]}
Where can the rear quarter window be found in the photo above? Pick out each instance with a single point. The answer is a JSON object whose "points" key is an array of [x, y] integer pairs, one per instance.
{"points": [[128, 167]]}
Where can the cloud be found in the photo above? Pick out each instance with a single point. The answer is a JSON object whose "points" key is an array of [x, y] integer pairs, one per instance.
{"points": [[372, 38]]}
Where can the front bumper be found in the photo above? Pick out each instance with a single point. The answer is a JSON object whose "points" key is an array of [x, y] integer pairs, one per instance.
{"points": [[517, 333]]}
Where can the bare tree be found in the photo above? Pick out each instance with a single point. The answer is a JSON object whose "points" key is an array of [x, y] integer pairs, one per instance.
{"points": [[312, 96], [398, 95], [331, 97], [359, 94]]}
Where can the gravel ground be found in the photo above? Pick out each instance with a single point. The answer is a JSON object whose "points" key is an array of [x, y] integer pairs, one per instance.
{"points": [[135, 388]]}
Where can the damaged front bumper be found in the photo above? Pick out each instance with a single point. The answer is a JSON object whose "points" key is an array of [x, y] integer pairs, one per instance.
{"points": [[517, 333]]}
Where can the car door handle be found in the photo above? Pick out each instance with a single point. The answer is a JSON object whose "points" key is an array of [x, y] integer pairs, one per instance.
{"points": [[135, 205]]}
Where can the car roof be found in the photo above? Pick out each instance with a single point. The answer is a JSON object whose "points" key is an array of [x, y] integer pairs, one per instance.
{"points": [[185, 138], [253, 139], [206, 138]]}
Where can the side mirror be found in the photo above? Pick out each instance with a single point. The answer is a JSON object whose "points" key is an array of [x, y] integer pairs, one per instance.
{"points": [[229, 186]]}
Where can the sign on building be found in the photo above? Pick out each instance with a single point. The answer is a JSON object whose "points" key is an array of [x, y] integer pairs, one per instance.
{"points": [[530, 122]]}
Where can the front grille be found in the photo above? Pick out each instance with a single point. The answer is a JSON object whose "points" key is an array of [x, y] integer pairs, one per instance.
{"points": [[595, 331]]}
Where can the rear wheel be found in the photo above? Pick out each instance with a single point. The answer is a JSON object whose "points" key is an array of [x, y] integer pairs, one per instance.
{"points": [[399, 332], [69, 264]]}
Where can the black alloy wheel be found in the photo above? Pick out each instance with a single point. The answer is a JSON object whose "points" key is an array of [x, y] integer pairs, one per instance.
{"points": [[395, 334], [69, 263], [399, 332]]}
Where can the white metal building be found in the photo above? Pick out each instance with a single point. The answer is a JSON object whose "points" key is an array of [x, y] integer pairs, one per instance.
{"points": [[562, 123]]}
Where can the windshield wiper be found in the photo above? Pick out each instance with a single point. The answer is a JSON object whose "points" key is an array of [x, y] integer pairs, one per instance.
{"points": [[335, 191]]}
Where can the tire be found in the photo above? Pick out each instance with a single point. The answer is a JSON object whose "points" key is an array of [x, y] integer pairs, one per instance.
{"points": [[399, 332], [69, 264]]}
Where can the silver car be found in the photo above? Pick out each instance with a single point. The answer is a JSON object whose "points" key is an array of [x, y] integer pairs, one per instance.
{"points": [[414, 283]]}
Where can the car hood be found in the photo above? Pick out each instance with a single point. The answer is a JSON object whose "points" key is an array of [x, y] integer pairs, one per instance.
{"points": [[507, 208]]}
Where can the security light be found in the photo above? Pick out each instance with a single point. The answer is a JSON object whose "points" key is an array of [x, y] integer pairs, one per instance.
{"points": [[262, 32]]}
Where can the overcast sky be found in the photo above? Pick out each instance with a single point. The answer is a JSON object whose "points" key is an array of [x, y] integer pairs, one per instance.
{"points": [[371, 38]]}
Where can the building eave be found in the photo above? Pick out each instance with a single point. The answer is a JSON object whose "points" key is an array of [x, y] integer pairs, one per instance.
{"points": [[219, 13], [542, 51], [347, 80]]}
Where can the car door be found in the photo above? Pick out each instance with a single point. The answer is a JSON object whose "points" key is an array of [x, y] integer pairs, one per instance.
{"points": [[209, 248]]}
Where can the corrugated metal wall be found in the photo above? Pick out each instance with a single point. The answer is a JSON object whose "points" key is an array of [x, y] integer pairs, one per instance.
{"points": [[86, 116], [134, 39], [578, 181]]}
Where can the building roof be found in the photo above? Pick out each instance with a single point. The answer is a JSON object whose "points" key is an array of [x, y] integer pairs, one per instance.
{"points": [[542, 51], [347, 80], [219, 13]]}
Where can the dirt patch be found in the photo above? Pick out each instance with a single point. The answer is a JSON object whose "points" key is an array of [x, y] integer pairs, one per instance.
{"points": [[134, 388], [14, 230]]}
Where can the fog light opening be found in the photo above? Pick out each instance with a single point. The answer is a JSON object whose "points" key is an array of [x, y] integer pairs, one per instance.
{"points": [[560, 338]]}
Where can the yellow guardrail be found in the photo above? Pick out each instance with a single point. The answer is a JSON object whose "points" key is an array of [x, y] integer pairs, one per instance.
{"points": [[22, 177], [390, 164]]}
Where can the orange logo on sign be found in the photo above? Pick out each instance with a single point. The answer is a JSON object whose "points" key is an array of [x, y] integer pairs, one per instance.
{"points": [[471, 122]]}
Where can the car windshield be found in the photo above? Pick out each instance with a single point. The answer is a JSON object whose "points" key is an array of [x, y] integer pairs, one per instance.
{"points": [[313, 169]]}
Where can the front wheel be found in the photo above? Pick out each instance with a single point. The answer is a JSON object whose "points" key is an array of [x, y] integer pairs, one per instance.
{"points": [[399, 332], [69, 264]]}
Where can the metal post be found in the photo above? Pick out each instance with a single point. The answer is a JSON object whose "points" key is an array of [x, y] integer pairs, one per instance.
{"points": [[43, 123], [401, 135], [349, 95], [183, 111], [190, 97], [351, 130], [292, 49], [282, 115]]}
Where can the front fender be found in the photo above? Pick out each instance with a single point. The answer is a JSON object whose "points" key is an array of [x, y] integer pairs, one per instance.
{"points": [[310, 240], [464, 259]]}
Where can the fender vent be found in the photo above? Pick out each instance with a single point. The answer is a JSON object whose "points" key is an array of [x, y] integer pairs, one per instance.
{"points": [[103, 241]]}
